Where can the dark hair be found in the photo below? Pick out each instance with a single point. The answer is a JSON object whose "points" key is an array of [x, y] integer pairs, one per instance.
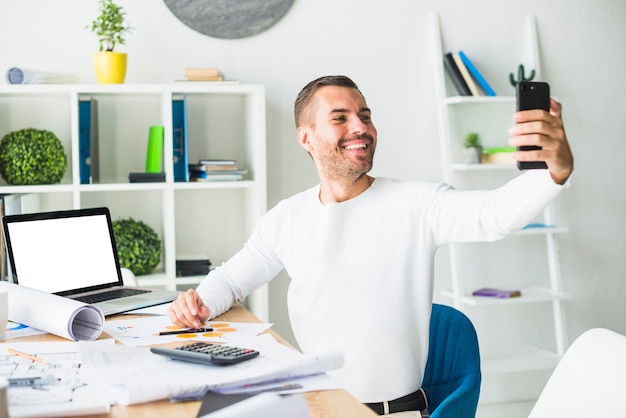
{"points": [[305, 95]]}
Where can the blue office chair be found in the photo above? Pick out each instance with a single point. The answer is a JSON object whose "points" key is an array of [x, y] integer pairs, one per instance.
{"points": [[452, 376]]}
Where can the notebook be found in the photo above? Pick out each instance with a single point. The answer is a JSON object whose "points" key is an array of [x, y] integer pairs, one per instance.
{"points": [[72, 253]]}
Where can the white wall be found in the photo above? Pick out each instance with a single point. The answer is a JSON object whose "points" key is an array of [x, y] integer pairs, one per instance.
{"points": [[384, 46]]}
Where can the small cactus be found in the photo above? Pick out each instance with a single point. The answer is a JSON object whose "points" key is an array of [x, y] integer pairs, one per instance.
{"points": [[521, 76]]}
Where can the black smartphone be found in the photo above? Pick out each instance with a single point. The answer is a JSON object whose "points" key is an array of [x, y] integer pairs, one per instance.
{"points": [[532, 95]]}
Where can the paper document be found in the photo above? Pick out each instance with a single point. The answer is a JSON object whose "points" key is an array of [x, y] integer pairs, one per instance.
{"points": [[55, 314], [141, 331], [17, 75], [52, 386], [135, 375]]}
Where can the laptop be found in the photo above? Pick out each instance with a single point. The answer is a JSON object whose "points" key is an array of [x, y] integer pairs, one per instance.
{"points": [[72, 253]]}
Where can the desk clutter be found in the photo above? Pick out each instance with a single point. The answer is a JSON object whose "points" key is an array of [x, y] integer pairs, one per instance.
{"points": [[88, 376]]}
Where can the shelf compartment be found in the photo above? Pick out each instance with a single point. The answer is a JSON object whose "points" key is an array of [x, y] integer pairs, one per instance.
{"points": [[517, 359], [529, 295]]}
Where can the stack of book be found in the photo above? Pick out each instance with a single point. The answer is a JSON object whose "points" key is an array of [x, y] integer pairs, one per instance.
{"points": [[465, 76], [202, 74], [216, 170]]}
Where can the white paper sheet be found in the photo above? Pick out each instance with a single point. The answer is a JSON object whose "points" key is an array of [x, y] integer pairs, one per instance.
{"points": [[67, 391], [140, 331], [57, 315], [16, 75], [135, 375]]}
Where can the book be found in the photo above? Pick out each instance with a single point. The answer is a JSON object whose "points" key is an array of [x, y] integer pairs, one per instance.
{"points": [[89, 170], [201, 72], [455, 75], [209, 161], [179, 128], [212, 167], [218, 176], [466, 75], [477, 75], [497, 293], [205, 78]]}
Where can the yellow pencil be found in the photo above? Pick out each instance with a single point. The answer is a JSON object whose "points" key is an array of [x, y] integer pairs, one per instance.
{"points": [[28, 356]]}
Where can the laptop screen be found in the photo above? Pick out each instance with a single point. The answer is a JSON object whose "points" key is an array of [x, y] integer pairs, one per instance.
{"points": [[63, 252]]}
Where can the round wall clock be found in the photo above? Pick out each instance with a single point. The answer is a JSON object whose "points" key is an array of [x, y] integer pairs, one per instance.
{"points": [[229, 19]]}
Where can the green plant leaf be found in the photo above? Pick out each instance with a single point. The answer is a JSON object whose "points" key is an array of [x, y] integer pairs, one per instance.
{"points": [[138, 246]]}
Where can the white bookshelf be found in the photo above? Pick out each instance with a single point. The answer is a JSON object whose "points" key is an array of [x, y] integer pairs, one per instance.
{"points": [[542, 294], [225, 121]]}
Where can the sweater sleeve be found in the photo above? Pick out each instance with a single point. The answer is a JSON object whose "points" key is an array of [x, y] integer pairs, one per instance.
{"points": [[488, 215], [251, 267]]}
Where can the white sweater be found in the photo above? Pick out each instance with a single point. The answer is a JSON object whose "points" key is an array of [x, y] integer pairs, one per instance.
{"points": [[362, 270]]}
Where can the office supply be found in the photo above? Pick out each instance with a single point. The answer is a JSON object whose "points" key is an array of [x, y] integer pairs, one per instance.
{"points": [[154, 155], [55, 314], [141, 331], [203, 353], [179, 126], [466, 75], [57, 387], [497, 293], [477, 75], [17, 75], [324, 395], [141, 177], [28, 356], [72, 253], [89, 170], [455, 75], [142, 374], [184, 331]]}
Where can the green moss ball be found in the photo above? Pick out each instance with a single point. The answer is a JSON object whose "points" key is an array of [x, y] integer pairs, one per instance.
{"points": [[138, 246], [31, 156]]}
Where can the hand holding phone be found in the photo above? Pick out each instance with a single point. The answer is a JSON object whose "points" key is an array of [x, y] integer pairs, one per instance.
{"points": [[532, 95]]}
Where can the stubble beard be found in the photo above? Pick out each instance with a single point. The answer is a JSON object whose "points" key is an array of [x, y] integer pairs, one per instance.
{"points": [[342, 169]]}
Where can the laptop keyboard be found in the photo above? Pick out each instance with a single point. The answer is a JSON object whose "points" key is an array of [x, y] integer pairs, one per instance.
{"points": [[111, 294]]}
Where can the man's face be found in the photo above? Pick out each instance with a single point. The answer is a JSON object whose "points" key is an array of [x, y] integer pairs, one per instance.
{"points": [[338, 133]]}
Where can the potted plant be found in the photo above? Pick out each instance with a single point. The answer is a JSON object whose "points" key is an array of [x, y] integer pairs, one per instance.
{"points": [[110, 27], [138, 245], [472, 154]]}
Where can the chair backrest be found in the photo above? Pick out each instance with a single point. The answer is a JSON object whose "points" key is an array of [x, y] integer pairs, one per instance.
{"points": [[452, 376], [589, 380]]}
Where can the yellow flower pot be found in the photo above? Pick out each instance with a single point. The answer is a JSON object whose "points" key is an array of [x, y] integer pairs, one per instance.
{"points": [[110, 67]]}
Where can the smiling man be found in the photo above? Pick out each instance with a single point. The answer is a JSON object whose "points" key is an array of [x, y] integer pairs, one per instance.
{"points": [[360, 250]]}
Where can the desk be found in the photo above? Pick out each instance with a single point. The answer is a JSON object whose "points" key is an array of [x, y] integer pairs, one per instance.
{"points": [[322, 404]]}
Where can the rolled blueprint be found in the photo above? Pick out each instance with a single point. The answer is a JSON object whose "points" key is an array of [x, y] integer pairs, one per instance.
{"points": [[55, 314], [17, 75]]}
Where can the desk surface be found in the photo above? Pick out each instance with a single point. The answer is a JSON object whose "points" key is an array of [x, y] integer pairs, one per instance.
{"points": [[322, 404]]}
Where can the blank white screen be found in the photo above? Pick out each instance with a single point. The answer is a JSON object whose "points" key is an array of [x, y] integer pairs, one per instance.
{"points": [[55, 255]]}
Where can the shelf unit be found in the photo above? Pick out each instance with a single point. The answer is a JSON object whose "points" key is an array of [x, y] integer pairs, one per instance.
{"points": [[213, 219], [491, 117]]}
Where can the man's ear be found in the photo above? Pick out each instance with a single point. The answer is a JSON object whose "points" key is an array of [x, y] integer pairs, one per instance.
{"points": [[303, 138]]}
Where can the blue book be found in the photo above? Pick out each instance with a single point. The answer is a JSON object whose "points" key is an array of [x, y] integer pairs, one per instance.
{"points": [[477, 75], [88, 140], [179, 127]]}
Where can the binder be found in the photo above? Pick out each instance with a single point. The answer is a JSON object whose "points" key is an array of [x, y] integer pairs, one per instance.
{"points": [[179, 128]]}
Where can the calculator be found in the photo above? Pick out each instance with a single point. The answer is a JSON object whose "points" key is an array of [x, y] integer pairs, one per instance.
{"points": [[206, 353]]}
